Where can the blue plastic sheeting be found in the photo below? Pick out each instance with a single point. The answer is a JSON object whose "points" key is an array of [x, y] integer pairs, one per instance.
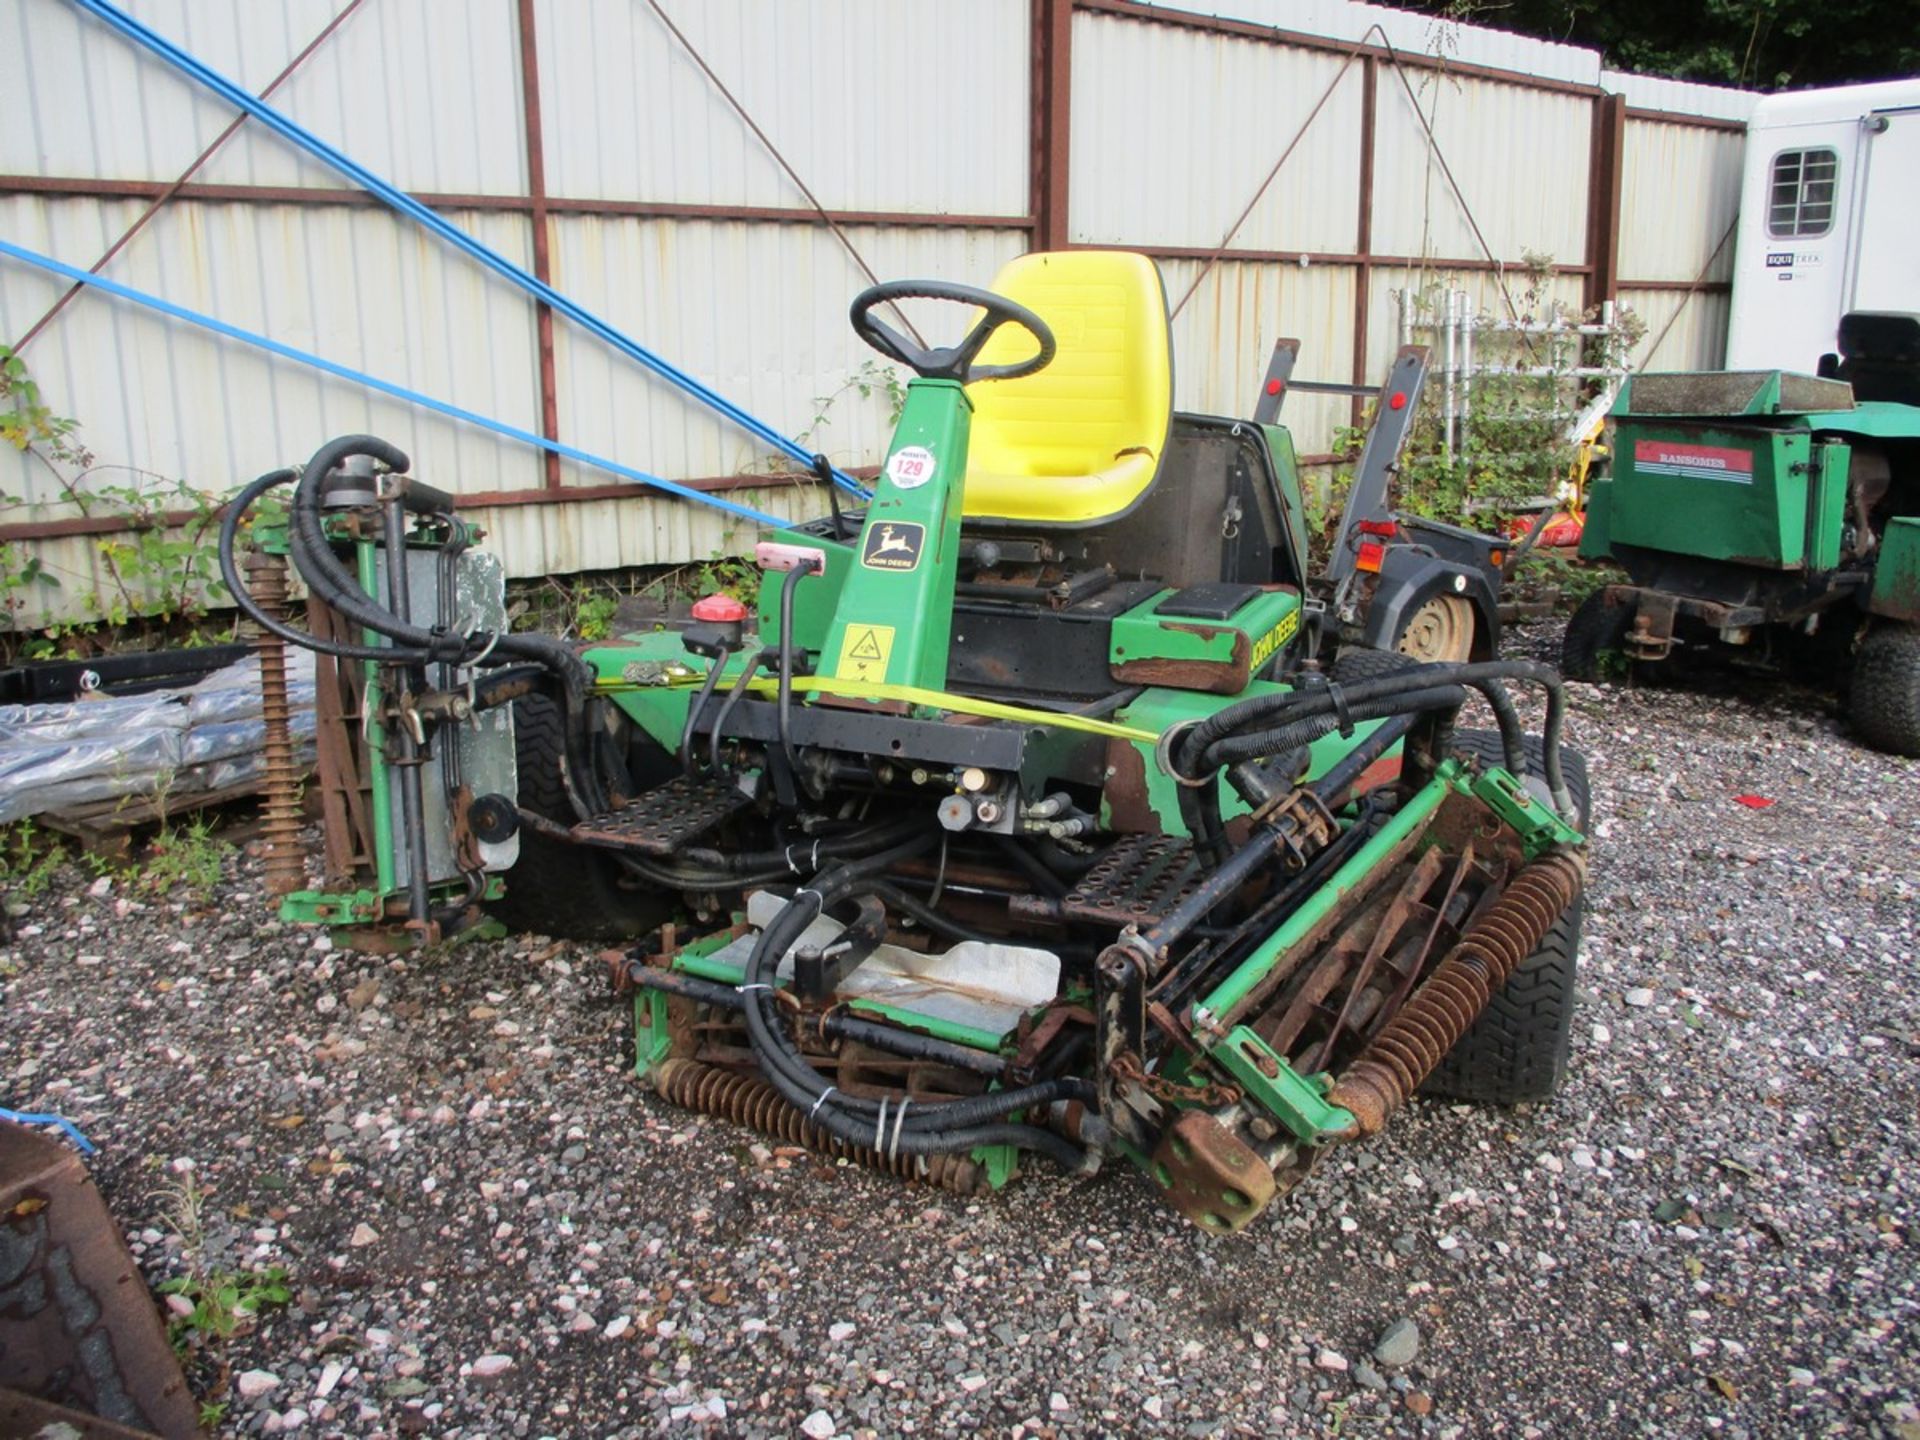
{"points": [[385, 387], [29, 1117], [405, 204]]}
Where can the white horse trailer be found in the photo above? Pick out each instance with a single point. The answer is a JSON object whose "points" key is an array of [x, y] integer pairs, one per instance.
{"points": [[1829, 220]]}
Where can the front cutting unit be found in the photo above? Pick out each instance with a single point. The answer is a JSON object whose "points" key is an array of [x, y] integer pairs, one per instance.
{"points": [[1015, 815]]}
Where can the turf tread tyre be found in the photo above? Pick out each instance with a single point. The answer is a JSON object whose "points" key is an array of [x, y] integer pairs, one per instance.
{"points": [[1517, 1050], [1356, 663], [565, 891], [1595, 629], [1885, 701]]}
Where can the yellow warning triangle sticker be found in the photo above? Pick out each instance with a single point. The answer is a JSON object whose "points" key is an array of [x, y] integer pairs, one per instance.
{"points": [[867, 647]]}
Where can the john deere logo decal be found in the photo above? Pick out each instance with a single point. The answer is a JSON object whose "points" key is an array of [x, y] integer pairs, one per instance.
{"points": [[894, 545]]}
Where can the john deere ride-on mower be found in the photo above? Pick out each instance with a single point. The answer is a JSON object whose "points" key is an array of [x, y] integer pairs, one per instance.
{"points": [[1771, 516], [1012, 818]]}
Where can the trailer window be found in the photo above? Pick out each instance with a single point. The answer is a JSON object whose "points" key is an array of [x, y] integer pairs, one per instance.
{"points": [[1801, 203]]}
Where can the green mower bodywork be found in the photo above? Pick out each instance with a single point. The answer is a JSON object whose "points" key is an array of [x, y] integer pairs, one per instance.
{"points": [[1027, 702], [1015, 815], [1771, 515]]}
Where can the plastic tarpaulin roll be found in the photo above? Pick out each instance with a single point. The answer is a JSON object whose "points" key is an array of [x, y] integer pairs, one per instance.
{"points": [[183, 742]]}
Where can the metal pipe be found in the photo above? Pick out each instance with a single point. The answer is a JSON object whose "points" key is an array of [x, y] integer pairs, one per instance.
{"points": [[1332, 787], [1466, 376], [407, 759], [1220, 1002], [1449, 361], [784, 688]]}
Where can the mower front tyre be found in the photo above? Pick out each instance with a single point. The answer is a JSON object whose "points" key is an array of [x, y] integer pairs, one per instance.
{"points": [[1517, 1050], [1885, 703], [567, 891]]}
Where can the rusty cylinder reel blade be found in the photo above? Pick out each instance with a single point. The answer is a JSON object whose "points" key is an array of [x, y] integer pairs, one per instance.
{"points": [[750, 1101], [280, 829], [1431, 1023]]}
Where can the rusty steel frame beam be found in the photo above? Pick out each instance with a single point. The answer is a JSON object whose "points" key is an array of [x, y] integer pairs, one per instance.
{"points": [[1363, 230], [1050, 122], [537, 213], [79, 187], [1332, 257], [1708, 287], [1675, 117], [1606, 160], [468, 500]]}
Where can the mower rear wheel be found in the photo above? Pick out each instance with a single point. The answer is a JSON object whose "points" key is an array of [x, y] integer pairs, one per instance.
{"points": [[1596, 630], [1885, 703], [567, 891], [1440, 632], [1517, 1050]]}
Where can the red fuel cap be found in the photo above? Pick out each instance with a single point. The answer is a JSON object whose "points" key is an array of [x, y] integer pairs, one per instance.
{"points": [[719, 610]]}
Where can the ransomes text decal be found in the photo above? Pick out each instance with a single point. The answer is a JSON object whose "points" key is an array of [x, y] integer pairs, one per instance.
{"points": [[1693, 462], [1268, 645]]}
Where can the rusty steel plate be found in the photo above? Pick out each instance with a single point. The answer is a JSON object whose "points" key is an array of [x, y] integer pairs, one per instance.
{"points": [[77, 1326], [1139, 879]]}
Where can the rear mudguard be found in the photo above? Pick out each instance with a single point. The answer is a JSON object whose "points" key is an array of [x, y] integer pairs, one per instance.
{"points": [[1408, 579]]}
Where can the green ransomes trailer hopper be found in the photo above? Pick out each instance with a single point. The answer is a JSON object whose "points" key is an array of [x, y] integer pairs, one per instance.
{"points": [[1013, 816], [1772, 514]]}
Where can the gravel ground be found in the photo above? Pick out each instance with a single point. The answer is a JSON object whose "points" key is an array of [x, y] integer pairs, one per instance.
{"points": [[491, 1229]]}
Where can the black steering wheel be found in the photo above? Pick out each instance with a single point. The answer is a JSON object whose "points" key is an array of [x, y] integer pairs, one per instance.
{"points": [[954, 362]]}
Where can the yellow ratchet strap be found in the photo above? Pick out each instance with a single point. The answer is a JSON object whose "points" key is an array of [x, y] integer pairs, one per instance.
{"points": [[939, 700]]}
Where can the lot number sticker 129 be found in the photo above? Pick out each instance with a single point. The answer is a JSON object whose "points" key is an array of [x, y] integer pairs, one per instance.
{"points": [[911, 466]]}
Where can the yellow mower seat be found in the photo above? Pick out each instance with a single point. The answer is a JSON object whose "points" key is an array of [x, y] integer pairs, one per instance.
{"points": [[1080, 441]]}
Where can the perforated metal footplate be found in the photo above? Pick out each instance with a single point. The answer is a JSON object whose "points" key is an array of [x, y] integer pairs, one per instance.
{"points": [[1140, 879], [666, 818]]}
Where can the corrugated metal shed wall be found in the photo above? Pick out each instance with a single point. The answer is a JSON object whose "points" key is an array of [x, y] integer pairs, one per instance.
{"points": [[1139, 135], [879, 105], [1518, 155], [1679, 196], [1172, 127]]}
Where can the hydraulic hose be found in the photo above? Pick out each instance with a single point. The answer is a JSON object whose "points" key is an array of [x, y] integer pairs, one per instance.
{"points": [[707, 687], [799, 572], [1193, 756], [710, 870], [236, 511], [804, 857], [323, 572], [734, 697]]}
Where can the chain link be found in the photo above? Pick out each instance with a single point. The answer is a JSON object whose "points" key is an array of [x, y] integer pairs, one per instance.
{"points": [[1128, 1068]]}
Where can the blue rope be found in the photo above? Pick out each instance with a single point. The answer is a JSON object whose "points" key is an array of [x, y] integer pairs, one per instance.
{"points": [[29, 1117], [406, 205], [386, 387]]}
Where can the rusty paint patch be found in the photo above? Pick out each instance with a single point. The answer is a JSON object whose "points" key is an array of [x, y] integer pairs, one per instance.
{"points": [[1129, 807], [1212, 677]]}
